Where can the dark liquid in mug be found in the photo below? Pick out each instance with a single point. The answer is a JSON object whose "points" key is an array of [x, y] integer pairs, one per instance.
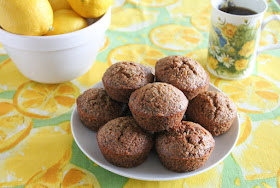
{"points": [[238, 10]]}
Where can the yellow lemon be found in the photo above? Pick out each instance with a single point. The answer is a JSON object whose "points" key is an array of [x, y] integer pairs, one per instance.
{"points": [[268, 66], [153, 3], [66, 177], [268, 37], [259, 155], [138, 53], [45, 100], [201, 19], [59, 4], [211, 177], [251, 95], [90, 8], [14, 127], [175, 37], [138, 19], [66, 21], [20, 17], [40, 150], [187, 8], [245, 128], [200, 56], [10, 77], [93, 76]]}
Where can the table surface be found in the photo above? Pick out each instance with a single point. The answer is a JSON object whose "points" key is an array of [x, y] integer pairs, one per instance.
{"points": [[36, 144]]}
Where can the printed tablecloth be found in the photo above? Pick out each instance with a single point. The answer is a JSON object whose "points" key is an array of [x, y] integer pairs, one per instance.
{"points": [[36, 145]]}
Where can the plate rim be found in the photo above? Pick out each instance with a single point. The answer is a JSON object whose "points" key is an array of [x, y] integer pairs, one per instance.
{"points": [[180, 175]]}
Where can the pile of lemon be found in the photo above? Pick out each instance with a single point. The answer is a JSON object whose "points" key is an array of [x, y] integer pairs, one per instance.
{"points": [[49, 17]]}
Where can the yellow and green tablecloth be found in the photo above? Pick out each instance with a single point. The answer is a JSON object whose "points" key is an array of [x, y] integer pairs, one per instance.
{"points": [[36, 145]]}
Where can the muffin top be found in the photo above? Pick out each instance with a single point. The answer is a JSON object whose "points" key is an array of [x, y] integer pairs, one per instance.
{"points": [[213, 106], [183, 72], [127, 75], [189, 140], [159, 99], [96, 101], [123, 136]]}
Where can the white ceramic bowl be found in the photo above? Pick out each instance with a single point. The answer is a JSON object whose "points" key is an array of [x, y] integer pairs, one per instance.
{"points": [[57, 58]]}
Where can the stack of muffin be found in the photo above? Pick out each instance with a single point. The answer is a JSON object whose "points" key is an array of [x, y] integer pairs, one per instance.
{"points": [[133, 112]]}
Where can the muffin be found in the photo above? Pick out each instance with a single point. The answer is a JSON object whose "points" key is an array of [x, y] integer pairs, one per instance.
{"points": [[123, 143], [184, 73], [122, 78], [96, 108], [186, 149], [158, 106], [213, 110]]}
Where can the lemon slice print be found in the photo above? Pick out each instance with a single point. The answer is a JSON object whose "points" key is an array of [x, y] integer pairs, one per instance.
{"points": [[201, 19], [106, 43], [175, 37], [245, 128], [40, 150], [185, 8], [45, 100], [2, 50], [211, 177], [267, 38], [273, 25], [268, 66], [10, 77], [116, 4], [66, 177], [258, 156], [200, 56], [93, 76], [138, 19], [14, 127], [251, 95], [138, 53], [153, 3]]}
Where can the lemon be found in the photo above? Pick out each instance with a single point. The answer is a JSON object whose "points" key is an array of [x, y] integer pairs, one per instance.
{"points": [[20, 17], [66, 21], [201, 19], [59, 4], [90, 8], [45, 101]]}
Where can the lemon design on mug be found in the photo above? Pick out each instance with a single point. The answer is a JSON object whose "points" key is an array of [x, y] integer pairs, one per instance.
{"points": [[138, 19], [251, 95], [40, 150], [153, 3], [201, 19], [211, 177], [186, 8], [180, 39], [258, 156], [14, 127], [10, 77], [66, 177], [45, 101], [138, 53], [269, 66]]}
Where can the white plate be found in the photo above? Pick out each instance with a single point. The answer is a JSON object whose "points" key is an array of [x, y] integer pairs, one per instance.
{"points": [[151, 169]]}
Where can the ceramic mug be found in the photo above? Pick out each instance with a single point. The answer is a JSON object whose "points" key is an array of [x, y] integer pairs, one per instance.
{"points": [[234, 39]]}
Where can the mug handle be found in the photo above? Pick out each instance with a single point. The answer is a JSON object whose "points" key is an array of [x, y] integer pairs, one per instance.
{"points": [[271, 46]]}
